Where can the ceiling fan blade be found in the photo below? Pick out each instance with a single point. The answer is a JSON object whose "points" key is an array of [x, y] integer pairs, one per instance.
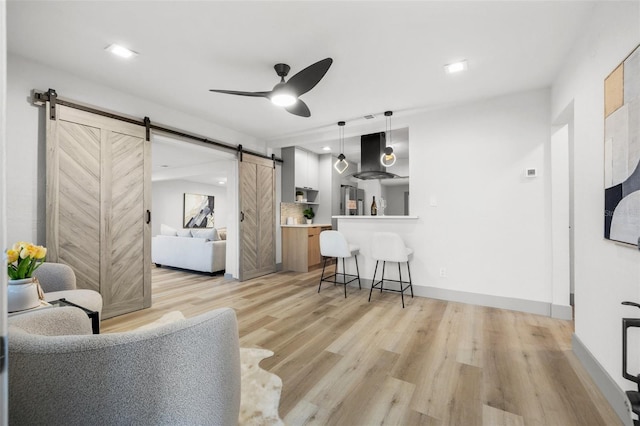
{"points": [[306, 79], [236, 92], [299, 108]]}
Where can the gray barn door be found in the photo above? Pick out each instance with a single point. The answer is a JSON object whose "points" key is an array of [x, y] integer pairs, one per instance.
{"points": [[257, 217], [98, 197]]}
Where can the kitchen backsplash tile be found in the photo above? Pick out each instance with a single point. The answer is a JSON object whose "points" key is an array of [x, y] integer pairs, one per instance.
{"points": [[293, 210]]}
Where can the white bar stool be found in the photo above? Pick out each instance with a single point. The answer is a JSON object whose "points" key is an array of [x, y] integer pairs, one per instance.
{"points": [[334, 244], [389, 247]]}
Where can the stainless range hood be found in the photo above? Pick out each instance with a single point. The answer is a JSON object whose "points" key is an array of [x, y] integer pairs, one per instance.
{"points": [[371, 149]]}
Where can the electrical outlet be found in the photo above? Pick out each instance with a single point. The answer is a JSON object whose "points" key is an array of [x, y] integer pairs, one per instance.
{"points": [[443, 272]]}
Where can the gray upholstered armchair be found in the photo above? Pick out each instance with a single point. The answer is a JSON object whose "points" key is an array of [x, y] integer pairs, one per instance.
{"points": [[58, 281], [185, 372]]}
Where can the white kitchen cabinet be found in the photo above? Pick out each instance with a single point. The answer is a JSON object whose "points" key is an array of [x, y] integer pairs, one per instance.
{"points": [[306, 169]]}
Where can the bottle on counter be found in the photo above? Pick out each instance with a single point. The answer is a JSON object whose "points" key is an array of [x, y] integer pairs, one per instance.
{"points": [[374, 208]]}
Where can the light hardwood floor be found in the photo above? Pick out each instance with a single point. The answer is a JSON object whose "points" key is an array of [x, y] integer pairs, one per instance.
{"points": [[349, 362]]}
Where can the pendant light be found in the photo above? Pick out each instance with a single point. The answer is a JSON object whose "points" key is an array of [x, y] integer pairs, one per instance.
{"points": [[388, 158], [341, 165]]}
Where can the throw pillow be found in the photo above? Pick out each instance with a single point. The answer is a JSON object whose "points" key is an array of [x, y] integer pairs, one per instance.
{"points": [[167, 230], [184, 232], [207, 234], [222, 233]]}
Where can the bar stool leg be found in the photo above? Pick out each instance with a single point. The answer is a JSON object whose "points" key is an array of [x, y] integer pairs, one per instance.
{"points": [[357, 271], [344, 278], [410, 284], [322, 275], [401, 287], [384, 263], [373, 282]]}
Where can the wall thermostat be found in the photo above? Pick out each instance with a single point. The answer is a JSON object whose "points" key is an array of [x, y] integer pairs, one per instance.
{"points": [[531, 173]]}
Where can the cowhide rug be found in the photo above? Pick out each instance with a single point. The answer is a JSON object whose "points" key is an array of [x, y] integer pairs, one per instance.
{"points": [[260, 390]]}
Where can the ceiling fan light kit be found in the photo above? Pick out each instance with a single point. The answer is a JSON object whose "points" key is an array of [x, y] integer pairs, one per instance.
{"points": [[287, 93]]}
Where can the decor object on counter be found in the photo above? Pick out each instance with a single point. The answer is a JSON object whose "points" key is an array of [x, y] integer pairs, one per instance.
{"points": [[341, 164], [388, 158], [382, 204], [622, 151], [204, 251], [299, 196], [23, 291], [374, 207], [309, 215], [198, 211]]}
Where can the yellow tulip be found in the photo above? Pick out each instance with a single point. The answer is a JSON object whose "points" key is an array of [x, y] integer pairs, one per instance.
{"points": [[24, 253], [41, 252], [12, 255]]}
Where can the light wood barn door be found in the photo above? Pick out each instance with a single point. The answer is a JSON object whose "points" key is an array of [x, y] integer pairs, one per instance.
{"points": [[257, 217], [98, 197]]}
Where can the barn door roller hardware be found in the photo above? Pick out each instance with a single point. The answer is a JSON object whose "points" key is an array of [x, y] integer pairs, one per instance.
{"points": [[39, 98]]}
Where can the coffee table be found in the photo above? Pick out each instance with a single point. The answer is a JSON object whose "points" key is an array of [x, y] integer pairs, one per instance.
{"points": [[93, 315]]}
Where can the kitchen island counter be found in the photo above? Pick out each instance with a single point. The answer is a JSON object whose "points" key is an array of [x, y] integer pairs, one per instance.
{"points": [[359, 230]]}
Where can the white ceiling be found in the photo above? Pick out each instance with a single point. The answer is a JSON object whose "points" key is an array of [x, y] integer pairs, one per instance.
{"points": [[183, 160], [388, 55]]}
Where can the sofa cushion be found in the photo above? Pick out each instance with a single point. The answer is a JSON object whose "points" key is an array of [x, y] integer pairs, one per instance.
{"points": [[168, 231], [222, 233], [207, 234], [184, 232]]}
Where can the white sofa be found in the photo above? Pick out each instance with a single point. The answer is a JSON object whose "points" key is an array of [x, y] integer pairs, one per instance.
{"points": [[197, 254]]}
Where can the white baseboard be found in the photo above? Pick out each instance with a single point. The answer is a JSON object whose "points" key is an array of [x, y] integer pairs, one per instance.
{"points": [[500, 302], [564, 312], [609, 388]]}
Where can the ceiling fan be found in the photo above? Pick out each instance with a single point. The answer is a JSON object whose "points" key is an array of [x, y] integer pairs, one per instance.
{"points": [[287, 93]]}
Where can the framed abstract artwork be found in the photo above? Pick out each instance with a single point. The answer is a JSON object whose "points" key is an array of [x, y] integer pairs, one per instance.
{"points": [[622, 151], [198, 211]]}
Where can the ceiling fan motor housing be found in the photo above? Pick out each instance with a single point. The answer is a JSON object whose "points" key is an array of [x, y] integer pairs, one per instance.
{"points": [[282, 69]]}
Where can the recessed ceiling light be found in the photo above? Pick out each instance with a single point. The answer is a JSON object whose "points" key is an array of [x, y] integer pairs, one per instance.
{"points": [[221, 182], [326, 148], [456, 67], [121, 51]]}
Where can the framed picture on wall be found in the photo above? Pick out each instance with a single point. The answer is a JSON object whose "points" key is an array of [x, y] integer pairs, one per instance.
{"points": [[198, 211], [622, 151]]}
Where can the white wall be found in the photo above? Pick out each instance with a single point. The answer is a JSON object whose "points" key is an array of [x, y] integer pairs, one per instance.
{"points": [[606, 273], [489, 228], [25, 135], [167, 202]]}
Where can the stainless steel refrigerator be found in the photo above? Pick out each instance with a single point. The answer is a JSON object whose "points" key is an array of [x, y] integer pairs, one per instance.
{"points": [[351, 201]]}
